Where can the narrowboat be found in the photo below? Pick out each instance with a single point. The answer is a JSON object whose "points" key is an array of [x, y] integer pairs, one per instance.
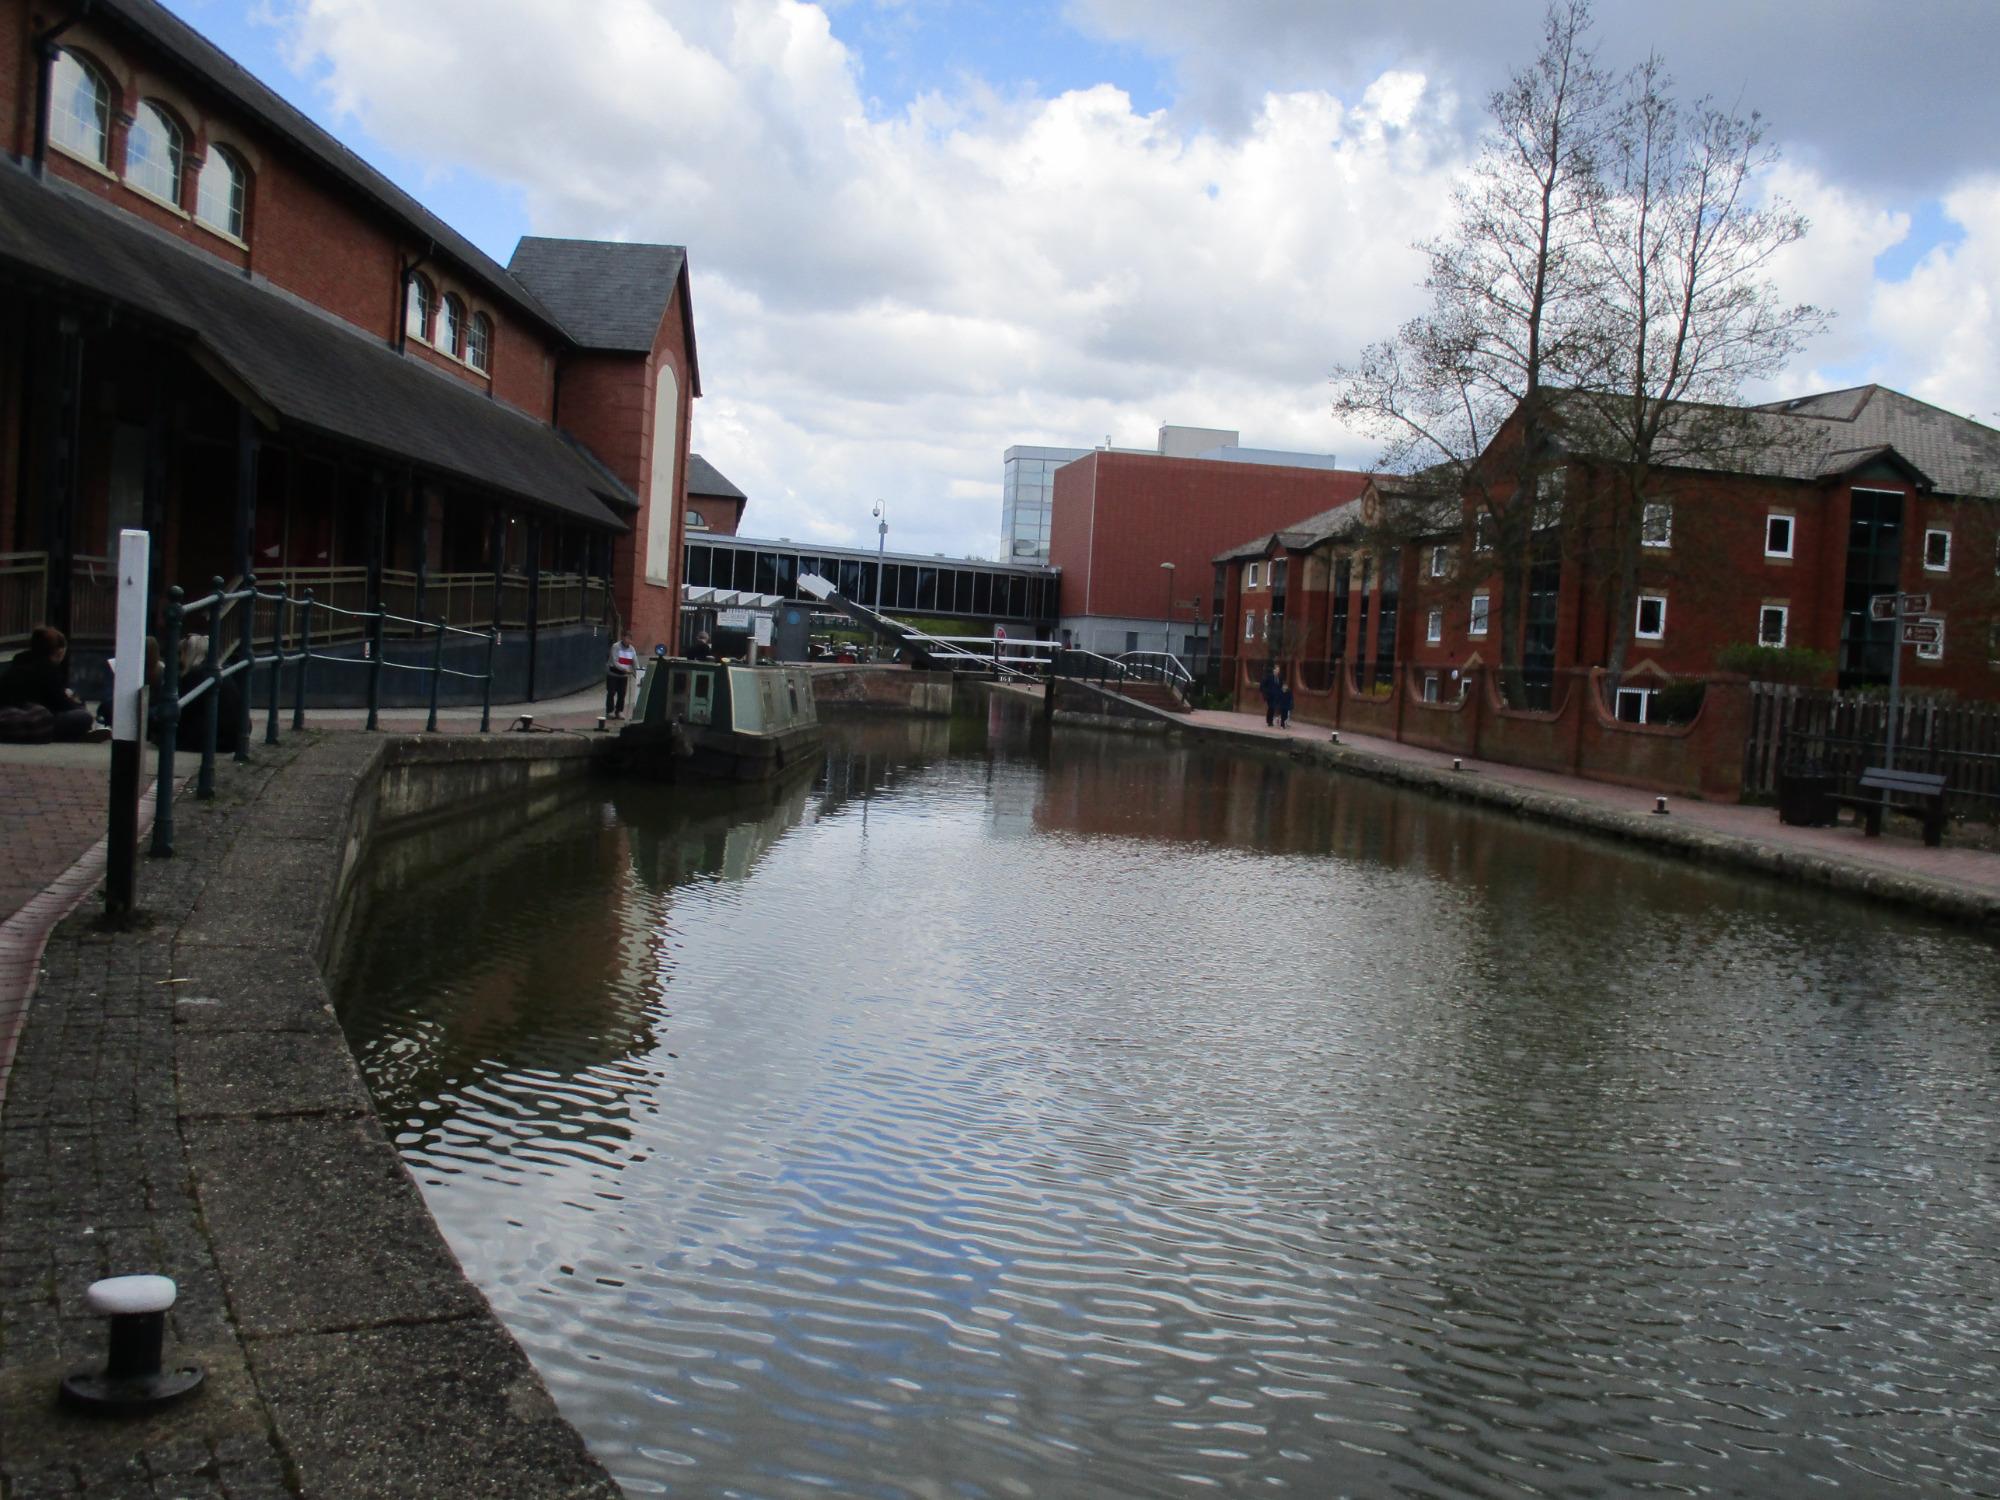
{"points": [[721, 721]]}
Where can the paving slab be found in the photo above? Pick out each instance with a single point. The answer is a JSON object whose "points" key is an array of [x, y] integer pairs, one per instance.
{"points": [[224, 1074], [249, 989], [420, 1411], [317, 1227]]}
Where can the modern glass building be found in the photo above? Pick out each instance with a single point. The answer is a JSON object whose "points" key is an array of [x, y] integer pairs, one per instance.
{"points": [[1027, 477]]}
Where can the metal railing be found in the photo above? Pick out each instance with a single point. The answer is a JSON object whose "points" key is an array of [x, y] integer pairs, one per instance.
{"points": [[290, 619], [1972, 777]]}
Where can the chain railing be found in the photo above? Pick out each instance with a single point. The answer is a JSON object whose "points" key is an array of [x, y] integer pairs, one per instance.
{"points": [[290, 638]]}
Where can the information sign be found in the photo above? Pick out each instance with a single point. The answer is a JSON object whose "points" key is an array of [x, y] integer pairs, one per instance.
{"points": [[1882, 607], [1913, 604], [1923, 632]]}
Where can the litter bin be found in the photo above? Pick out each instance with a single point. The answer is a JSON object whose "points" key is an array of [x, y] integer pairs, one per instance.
{"points": [[1805, 799]]}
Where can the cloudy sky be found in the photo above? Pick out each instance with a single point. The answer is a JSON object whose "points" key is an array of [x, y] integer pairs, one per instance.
{"points": [[923, 230]]}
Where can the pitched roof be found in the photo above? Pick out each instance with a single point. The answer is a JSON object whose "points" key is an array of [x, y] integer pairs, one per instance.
{"points": [[299, 362], [1958, 455], [609, 294], [180, 41], [1325, 526], [703, 478]]}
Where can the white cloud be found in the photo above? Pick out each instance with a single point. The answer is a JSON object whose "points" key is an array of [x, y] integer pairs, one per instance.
{"points": [[885, 304]]}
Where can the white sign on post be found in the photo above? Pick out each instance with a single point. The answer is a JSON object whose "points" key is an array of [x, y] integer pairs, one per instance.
{"points": [[762, 630], [1913, 604], [1882, 607], [1923, 632]]}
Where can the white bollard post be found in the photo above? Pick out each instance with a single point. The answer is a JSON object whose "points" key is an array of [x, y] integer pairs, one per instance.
{"points": [[128, 723]]}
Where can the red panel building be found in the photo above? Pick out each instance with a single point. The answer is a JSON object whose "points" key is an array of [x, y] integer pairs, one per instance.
{"points": [[1118, 516], [218, 324], [714, 504]]}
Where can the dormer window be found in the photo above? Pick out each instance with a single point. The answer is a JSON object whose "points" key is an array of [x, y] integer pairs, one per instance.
{"points": [[479, 343], [220, 191], [154, 151], [696, 521], [451, 325], [80, 110], [418, 307]]}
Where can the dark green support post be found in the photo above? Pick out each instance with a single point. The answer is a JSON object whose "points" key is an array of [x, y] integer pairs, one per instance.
{"points": [[248, 669], [280, 617], [375, 669], [211, 719], [305, 661], [170, 723], [437, 674], [486, 695]]}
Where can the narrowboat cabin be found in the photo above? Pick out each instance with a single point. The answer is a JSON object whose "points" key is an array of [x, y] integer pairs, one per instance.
{"points": [[721, 721]]}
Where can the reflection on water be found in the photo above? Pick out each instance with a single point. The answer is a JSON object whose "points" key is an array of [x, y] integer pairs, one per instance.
{"points": [[998, 1117]]}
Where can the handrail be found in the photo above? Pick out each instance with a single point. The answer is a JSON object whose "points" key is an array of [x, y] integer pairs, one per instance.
{"points": [[1166, 659], [217, 603]]}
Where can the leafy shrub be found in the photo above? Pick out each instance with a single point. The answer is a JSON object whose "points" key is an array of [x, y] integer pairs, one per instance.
{"points": [[1799, 664]]}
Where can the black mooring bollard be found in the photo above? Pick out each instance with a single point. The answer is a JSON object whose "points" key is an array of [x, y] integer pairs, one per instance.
{"points": [[131, 1381]]}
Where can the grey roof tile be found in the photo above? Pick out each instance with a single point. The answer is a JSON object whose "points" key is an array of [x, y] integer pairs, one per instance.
{"points": [[306, 365], [609, 294], [703, 478]]}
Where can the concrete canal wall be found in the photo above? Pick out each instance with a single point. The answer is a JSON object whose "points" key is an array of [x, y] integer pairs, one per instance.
{"points": [[883, 689]]}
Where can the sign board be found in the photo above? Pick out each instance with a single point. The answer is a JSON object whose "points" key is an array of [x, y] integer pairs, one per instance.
{"points": [[1923, 632], [1882, 607], [762, 630], [733, 619], [1913, 604]]}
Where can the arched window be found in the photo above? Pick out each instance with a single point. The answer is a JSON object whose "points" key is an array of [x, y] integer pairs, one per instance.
{"points": [[479, 343], [80, 111], [451, 325], [153, 152], [220, 190], [417, 311]]}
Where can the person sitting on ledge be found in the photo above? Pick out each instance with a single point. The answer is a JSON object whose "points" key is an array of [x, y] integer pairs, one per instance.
{"points": [[701, 650], [39, 678]]}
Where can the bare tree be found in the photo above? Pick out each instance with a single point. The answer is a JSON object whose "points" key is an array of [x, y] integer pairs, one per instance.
{"points": [[1681, 314], [1508, 287]]}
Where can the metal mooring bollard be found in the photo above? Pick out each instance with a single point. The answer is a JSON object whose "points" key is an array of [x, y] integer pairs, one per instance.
{"points": [[600, 723], [131, 1381], [1457, 764], [1660, 807], [1336, 737]]}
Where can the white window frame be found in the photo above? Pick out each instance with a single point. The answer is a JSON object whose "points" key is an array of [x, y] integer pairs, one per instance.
{"points": [[159, 176], [1933, 653], [222, 193], [1439, 561], [1251, 572], [1791, 533], [1639, 631], [1663, 510], [1784, 614], [420, 305], [1645, 698], [1937, 567], [1993, 644], [479, 343], [86, 140], [1249, 624], [1482, 540], [1481, 617], [1430, 687], [1434, 630]]}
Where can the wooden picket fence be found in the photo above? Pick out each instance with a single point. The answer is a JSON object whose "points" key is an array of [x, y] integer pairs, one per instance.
{"points": [[1845, 733]]}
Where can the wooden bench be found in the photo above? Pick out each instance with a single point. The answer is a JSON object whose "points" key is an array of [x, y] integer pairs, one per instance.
{"points": [[1927, 789]]}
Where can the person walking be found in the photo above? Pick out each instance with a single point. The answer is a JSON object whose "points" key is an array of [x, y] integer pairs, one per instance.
{"points": [[1285, 707], [618, 675], [1273, 689]]}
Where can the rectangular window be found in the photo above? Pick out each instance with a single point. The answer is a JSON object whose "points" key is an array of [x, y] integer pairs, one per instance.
{"points": [[1937, 551], [1635, 704], [1249, 624], [1131, 641], [1430, 687], [1652, 621], [1777, 536], [1935, 650], [1482, 538], [1434, 631], [1440, 561], [1278, 571], [1993, 644], [1771, 621], [1482, 608], [1656, 524], [1250, 574]]}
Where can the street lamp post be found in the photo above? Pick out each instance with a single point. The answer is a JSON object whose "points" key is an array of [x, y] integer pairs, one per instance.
{"points": [[881, 514], [1168, 569]]}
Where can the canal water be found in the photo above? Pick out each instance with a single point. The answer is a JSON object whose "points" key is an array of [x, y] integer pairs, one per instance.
{"points": [[988, 1117]]}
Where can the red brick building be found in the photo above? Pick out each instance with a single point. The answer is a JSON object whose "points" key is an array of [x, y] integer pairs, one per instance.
{"points": [[713, 503], [1118, 516], [218, 324], [1389, 625]]}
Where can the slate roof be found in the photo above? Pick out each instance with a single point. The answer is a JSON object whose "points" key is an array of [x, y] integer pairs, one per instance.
{"points": [[1958, 455], [304, 365], [173, 36], [703, 478], [1328, 524], [609, 294]]}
